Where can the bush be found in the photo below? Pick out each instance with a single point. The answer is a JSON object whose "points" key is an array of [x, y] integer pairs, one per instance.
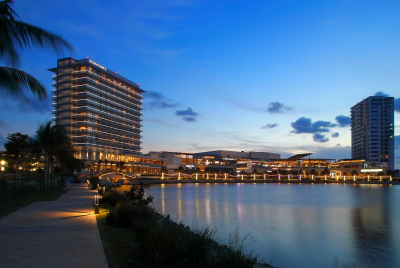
{"points": [[136, 194], [114, 197], [93, 181], [121, 215], [233, 255]]}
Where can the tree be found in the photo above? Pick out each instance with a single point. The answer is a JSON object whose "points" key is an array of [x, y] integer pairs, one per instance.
{"points": [[15, 145], [120, 165], [53, 141], [99, 163], [326, 171], [354, 172], [16, 36]]}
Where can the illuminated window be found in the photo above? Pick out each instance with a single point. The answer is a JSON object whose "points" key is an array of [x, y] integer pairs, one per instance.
{"points": [[90, 69], [83, 68], [103, 75]]}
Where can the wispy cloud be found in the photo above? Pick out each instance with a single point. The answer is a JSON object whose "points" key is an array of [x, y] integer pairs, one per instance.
{"points": [[187, 115], [155, 100], [277, 108], [335, 135], [269, 126]]}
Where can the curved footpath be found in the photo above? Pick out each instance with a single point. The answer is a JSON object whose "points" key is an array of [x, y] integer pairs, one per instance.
{"points": [[60, 233]]}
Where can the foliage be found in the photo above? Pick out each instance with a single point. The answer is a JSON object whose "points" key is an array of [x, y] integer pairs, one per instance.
{"points": [[313, 172], [121, 215], [137, 192], [16, 36], [326, 171], [114, 197], [354, 172], [16, 144]]}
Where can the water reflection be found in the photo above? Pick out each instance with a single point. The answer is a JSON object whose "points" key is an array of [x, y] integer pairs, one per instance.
{"points": [[297, 225]]}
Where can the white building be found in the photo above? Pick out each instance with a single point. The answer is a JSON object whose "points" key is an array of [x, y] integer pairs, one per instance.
{"points": [[372, 130]]}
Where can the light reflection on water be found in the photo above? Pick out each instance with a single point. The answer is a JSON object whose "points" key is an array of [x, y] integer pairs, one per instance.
{"points": [[307, 225]]}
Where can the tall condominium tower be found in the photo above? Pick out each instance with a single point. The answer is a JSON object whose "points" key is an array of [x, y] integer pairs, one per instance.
{"points": [[100, 109], [372, 130]]}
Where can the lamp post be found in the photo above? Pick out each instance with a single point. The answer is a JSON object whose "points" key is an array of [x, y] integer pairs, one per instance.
{"points": [[96, 204]]}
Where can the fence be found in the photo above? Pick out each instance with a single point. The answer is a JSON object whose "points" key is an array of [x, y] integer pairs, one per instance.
{"points": [[26, 183]]}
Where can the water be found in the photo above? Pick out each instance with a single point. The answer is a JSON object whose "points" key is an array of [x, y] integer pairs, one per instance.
{"points": [[297, 225]]}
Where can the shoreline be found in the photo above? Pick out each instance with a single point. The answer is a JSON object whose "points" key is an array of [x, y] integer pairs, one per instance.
{"points": [[159, 181]]}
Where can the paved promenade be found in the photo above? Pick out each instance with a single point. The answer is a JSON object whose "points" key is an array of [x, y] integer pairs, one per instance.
{"points": [[60, 233]]}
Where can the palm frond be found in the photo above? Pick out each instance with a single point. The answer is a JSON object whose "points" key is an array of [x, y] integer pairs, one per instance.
{"points": [[16, 35], [15, 83]]}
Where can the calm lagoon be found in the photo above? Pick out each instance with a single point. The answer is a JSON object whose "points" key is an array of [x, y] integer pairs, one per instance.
{"points": [[297, 225]]}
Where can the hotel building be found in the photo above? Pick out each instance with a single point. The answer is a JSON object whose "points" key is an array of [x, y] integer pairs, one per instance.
{"points": [[372, 131], [101, 111]]}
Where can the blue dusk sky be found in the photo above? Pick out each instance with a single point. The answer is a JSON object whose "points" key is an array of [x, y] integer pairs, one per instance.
{"points": [[273, 75]]}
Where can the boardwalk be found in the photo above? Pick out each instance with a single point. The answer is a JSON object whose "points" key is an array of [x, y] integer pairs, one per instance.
{"points": [[60, 233]]}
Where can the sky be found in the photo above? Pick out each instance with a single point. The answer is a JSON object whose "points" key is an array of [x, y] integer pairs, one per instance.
{"points": [[273, 76]]}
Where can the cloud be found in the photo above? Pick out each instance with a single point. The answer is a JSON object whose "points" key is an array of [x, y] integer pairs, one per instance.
{"points": [[158, 101], [317, 137], [188, 112], [338, 145], [396, 101], [187, 115], [277, 108], [189, 119], [343, 120], [269, 126], [304, 125], [335, 135]]}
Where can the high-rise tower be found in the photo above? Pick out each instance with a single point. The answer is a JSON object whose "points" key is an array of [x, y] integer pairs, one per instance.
{"points": [[100, 109], [372, 130]]}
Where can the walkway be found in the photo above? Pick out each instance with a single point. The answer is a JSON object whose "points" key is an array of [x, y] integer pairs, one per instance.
{"points": [[60, 233]]}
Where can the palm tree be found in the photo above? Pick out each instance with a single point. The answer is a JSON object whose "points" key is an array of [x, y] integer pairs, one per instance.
{"points": [[53, 140], [15, 36], [99, 163]]}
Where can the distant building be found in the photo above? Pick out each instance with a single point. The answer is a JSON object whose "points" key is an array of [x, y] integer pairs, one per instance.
{"points": [[372, 131], [243, 155]]}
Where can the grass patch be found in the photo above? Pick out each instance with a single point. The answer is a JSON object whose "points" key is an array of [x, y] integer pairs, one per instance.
{"points": [[9, 206], [120, 244]]}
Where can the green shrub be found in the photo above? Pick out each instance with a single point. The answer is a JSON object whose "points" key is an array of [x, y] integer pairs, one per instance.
{"points": [[121, 215], [114, 197], [233, 255], [136, 194], [93, 181], [174, 245]]}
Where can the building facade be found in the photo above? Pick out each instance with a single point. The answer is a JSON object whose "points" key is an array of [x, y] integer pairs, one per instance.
{"points": [[101, 111], [372, 131], [243, 155]]}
